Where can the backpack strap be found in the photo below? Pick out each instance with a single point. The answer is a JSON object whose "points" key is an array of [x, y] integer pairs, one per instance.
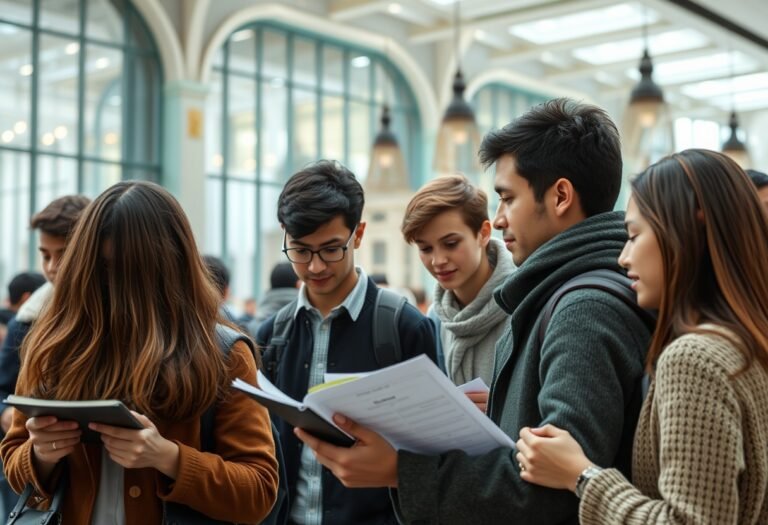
{"points": [[281, 331], [609, 281], [386, 333]]}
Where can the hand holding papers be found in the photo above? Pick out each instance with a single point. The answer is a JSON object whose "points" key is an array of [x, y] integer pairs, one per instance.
{"points": [[412, 405]]}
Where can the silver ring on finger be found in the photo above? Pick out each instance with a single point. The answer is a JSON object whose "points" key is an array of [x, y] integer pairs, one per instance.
{"points": [[54, 445], [522, 467]]}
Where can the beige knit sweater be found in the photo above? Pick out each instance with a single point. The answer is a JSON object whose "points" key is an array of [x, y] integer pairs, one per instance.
{"points": [[701, 447]]}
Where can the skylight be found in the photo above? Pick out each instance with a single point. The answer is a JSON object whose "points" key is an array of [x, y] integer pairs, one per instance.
{"points": [[618, 51], [595, 21], [698, 68], [714, 88]]}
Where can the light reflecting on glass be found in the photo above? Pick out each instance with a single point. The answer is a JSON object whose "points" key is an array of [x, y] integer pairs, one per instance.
{"points": [[56, 176], [360, 139], [62, 16], [304, 62], [333, 128], [270, 234], [14, 214], [15, 104], [214, 207], [104, 21], [242, 127], [58, 96], [241, 233], [304, 128], [213, 133], [274, 151], [103, 104]]}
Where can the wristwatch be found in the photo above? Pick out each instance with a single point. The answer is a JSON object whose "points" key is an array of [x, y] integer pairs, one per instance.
{"points": [[581, 483]]}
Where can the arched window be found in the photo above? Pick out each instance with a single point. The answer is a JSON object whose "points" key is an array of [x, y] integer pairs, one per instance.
{"points": [[281, 98], [496, 105], [80, 109]]}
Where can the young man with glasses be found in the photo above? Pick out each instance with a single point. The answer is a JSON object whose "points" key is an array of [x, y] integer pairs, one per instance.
{"points": [[319, 210]]}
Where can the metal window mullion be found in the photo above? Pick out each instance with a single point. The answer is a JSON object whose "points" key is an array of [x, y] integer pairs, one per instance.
{"points": [[33, 127], [346, 113], [128, 100], [289, 101], [319, 99], [372, 101], [81, 99], [224, 148], [259, 43]]}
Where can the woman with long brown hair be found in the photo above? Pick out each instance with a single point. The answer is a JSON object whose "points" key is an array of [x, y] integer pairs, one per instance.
{"points": [[697, 251], [133, 318]]}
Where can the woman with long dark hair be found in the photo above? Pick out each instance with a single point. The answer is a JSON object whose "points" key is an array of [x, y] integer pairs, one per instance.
{"points": [[133, 318], [698, 252]]}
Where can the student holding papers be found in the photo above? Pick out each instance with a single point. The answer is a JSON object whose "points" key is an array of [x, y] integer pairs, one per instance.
{"points": [[558, 174], [330, 328], [448, 221]]}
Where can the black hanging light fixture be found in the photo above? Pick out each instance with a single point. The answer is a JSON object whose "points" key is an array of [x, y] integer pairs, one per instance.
{"points": [[646, 102], [458, 138], [386, 171], [734, 147]]}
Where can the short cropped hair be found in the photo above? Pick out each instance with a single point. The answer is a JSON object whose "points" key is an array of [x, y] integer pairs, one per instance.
{"points": [[26, 282], [283, 276], [218, 271], [60, 216], [563, 139], [759, 179], [449, 192], [316, 195]]}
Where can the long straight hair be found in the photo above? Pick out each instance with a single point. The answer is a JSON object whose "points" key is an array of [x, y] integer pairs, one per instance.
{"points": [[713, 237], [133, 313]]}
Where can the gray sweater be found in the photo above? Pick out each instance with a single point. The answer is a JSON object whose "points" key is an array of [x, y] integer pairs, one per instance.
{"points": [[586, 378], [469, 334]]}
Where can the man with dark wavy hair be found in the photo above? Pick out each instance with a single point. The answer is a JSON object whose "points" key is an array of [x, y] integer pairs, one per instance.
{"points": [[558, 175]]}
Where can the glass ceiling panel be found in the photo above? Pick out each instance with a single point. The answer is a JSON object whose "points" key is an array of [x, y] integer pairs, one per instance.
{"points": [[592, 22], [699, 68], [618, 51], [713, 88]]}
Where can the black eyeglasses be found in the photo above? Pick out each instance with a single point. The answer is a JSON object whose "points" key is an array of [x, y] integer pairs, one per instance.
{"points": [[329, 254]]}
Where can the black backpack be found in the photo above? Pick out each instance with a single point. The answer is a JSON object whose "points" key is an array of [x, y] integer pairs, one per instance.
{"points": [[175, 514], [609, 281], [385, 333]]}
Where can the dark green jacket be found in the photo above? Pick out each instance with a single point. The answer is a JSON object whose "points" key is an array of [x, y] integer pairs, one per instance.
{"points": [[585, 378]]}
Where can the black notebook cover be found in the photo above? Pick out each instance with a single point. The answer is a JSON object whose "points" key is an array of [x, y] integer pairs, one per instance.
{"points": [[109, 412], [305, 420]]}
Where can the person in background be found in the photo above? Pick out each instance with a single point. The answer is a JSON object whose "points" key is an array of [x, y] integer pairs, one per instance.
{"points": [[250, 308], [219, 274], [135, 297], [422, 303], [448, 221], [697, 252], [20, 288], [760, 180], [558, 175], [284, 288], [54, 224]]}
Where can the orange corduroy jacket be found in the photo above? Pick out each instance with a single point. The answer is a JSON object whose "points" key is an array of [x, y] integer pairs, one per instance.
{"points": [[237, 483]]}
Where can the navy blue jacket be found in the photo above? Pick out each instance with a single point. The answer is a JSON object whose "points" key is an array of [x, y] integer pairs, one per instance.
{"points": [[350, 349], [10, 363]]}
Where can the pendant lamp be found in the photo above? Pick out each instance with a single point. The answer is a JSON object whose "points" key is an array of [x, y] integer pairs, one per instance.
{"points": [[458, 139], [386, 171], [646, 102], [734, 147]]}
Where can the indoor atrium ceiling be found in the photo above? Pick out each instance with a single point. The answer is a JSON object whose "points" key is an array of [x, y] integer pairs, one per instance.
{"points": [[594, 46]]}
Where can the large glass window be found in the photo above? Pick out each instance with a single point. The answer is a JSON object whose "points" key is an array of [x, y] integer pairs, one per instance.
{"points": [[496, 105], [279, 100], [80, 109]]}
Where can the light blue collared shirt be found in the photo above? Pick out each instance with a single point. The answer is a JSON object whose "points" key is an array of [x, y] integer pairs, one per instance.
{"points": [[307, 508]]}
